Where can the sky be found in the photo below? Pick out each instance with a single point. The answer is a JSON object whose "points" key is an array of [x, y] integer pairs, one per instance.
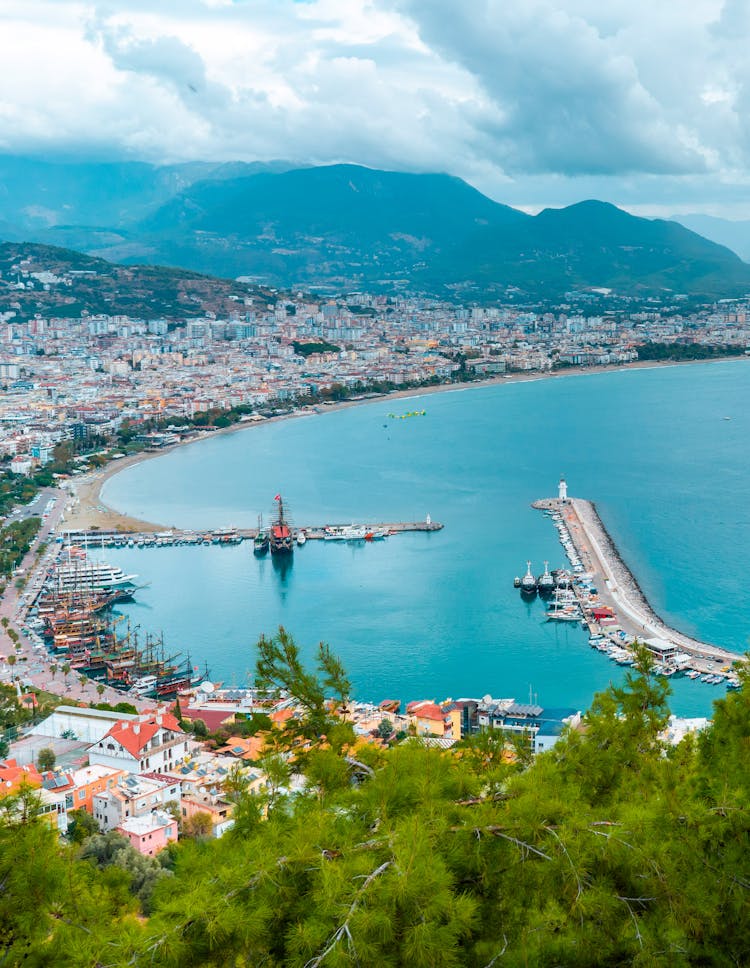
{"points": [[645, 103]]}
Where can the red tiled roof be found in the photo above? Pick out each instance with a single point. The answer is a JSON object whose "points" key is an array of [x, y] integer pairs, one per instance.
{"points": [[425, 710], [134, 734], [11, 775], [213, 718]]}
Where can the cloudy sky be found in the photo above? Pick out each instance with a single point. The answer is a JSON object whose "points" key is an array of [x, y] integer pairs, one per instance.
{"points": [[645, 103]]}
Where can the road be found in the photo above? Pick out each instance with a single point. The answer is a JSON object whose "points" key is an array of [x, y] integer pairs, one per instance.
{"points": [[33, 662]]}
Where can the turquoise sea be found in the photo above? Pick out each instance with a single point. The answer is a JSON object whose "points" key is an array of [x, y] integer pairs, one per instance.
{"points": [[436, 615]]}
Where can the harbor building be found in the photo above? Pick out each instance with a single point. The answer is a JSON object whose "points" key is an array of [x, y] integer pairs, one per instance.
{"points": [[542, 726]]}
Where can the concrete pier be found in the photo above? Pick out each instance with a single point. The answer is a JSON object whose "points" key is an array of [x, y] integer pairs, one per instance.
{"points": [[171, 536], [618, 588]]}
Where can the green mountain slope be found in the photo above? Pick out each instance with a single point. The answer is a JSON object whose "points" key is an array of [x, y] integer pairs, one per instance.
{"points": [[349, 226], [93, 285]]}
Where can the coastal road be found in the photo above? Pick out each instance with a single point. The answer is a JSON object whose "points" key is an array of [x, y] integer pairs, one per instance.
{"points": [[34, 665]]}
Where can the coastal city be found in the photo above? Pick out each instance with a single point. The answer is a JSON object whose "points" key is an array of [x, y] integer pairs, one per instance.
{"points": [[374, 523], [101, 387], [80, 379]]}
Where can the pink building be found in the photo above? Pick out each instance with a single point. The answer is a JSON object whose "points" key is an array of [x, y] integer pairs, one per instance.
{"points": [[151, 833]]}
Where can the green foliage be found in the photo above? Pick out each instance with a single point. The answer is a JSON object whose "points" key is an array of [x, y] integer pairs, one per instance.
{"points": [[609, 850], [307, 349], [15, 541], [686, 351], [81, 825], [46, 759], [280, 667], [113, 851]]}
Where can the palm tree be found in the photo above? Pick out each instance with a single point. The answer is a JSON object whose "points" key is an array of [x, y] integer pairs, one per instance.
{"points": [[53, 669], [100, 689]]}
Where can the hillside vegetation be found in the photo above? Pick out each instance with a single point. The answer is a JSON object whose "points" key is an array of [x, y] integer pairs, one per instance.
{"points": [[609, 850]]}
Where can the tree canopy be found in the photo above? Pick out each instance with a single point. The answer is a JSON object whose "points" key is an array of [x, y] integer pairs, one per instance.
{"points": [[611, 849]]}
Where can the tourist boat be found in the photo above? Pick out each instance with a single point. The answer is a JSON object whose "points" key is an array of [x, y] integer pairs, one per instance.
{"points": [[545, 583], [280, 537], [528, 582], [84, 576], [260, 541]]}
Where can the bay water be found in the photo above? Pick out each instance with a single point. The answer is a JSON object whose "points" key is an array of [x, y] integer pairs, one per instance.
{"points": [[663, 452]]}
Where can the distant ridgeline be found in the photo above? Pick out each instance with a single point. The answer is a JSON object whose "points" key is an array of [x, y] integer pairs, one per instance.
{"points": [[342, 227], [611, 849]]}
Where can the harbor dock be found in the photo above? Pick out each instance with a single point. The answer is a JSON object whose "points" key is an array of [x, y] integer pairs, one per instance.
{"points": [[177, 536], [618, 591]]}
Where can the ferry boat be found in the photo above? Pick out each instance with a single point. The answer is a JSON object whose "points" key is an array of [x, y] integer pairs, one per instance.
{"points": [[280, 537], [87, 576]]}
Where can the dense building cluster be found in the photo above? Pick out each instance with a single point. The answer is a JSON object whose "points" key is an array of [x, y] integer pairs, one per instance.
{"points": [[71, 378]]}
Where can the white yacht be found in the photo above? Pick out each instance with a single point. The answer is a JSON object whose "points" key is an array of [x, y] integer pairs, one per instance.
{"points": [[84, 575]]}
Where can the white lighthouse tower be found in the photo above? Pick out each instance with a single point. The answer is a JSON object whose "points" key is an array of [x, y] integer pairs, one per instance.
{"points": [[562, 490]]}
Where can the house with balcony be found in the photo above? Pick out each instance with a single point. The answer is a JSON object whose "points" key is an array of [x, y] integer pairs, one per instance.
{"points": [[152, 743]]}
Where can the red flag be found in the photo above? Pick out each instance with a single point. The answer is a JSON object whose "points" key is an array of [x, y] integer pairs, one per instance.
{"points": [[277, 498]]}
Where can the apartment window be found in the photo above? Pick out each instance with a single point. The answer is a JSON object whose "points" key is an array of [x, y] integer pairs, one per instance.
{"points": [[81, 794]]}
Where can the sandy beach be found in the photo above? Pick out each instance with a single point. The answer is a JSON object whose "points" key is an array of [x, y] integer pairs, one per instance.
{"points": [[88, 512]]}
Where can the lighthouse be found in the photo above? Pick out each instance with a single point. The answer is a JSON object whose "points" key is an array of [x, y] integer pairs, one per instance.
{"points": [[562, 490]]}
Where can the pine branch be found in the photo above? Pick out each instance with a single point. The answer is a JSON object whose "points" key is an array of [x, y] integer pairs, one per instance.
{"points": [[498, 832], [343, 930]]}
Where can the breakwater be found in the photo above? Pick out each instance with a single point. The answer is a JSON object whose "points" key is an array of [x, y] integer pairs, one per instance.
{"points": [[618, 588]]}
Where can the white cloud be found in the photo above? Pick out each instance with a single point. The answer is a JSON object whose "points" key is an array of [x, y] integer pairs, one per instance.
{"points": [[536, 101]]}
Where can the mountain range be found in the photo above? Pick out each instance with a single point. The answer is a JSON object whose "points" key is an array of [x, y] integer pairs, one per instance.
{"points": [[344, 227]]}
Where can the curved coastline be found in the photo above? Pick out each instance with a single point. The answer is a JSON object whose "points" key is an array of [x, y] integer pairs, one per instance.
{"points": [[91, 512]]}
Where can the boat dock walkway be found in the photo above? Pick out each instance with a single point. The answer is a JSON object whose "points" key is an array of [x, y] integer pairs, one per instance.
{"points": [[101, 538], [617, 587]]}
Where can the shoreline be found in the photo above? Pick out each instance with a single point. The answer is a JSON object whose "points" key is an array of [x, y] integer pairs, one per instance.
{"points": [[90, 512]]}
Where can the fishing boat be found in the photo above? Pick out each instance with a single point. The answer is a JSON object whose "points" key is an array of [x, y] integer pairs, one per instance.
{"points": [[280, 537], [260, 541]]}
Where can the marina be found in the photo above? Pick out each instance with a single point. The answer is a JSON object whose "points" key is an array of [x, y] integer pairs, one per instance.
{"points": [[600, 591]]}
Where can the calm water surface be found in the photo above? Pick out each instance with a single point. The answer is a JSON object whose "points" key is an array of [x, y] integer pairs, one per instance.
{"points": [[435, 615]]}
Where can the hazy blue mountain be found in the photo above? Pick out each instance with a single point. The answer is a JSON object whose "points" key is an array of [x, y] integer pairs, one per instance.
{"points": [[735, 235], [345, 227], [351, 227], [595, 245], [41, 196]]}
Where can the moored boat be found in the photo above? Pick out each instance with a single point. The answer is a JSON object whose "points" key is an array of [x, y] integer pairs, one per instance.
{"points": [[280, 536], [528, 582]]}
